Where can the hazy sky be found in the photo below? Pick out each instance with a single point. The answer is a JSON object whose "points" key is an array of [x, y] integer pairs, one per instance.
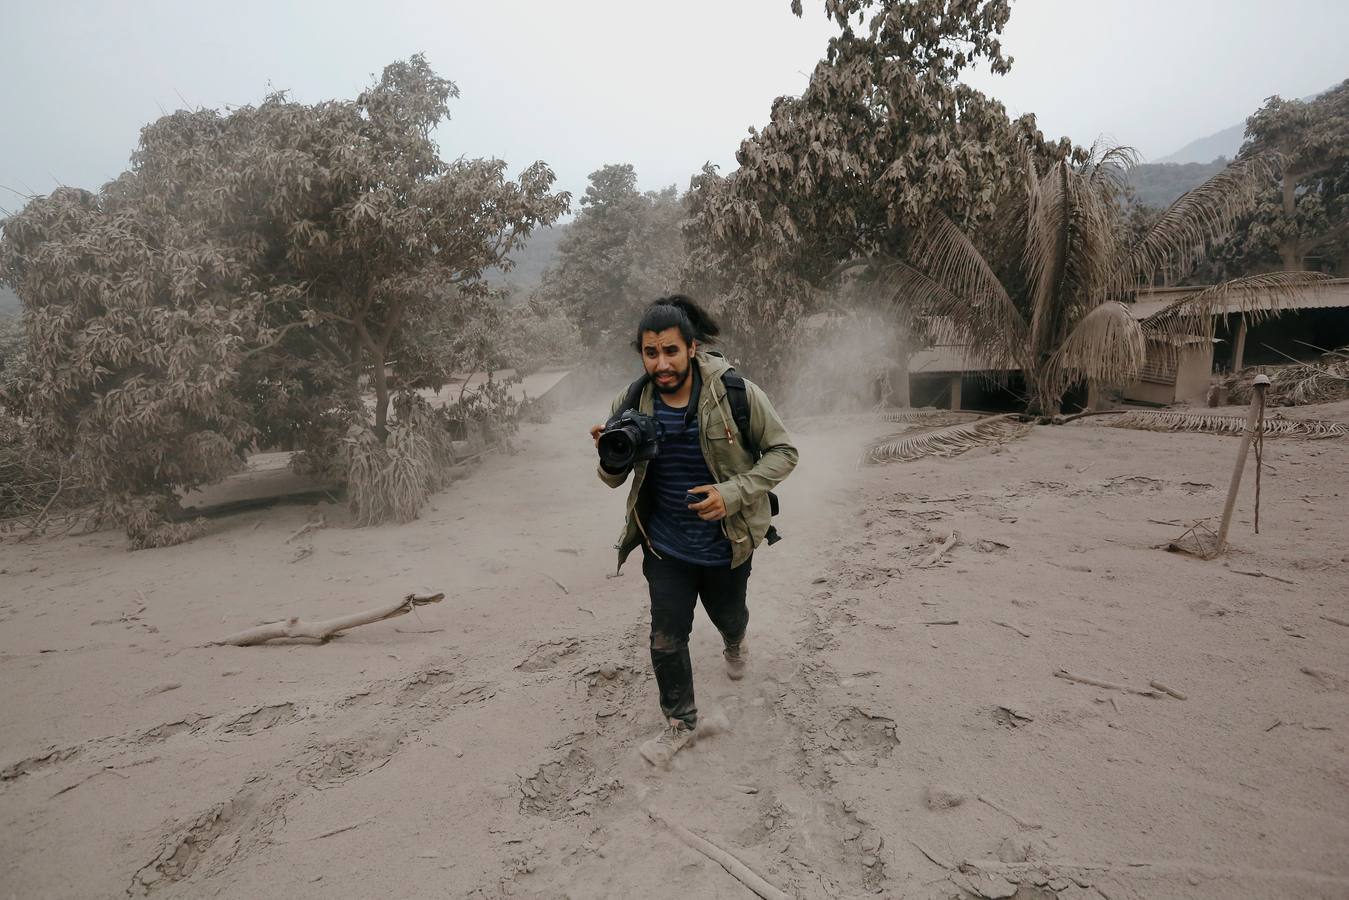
{"points": [[664, 86]]}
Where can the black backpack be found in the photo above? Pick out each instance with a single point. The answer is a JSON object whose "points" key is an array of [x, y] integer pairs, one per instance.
{"points": [[737, 395]]}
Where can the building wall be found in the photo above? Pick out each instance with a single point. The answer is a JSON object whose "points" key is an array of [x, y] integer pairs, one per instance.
{"points": [[1151, 392], [1174, 377], [1193, 372]]}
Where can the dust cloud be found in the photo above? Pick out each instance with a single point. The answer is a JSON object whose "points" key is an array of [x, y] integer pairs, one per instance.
{"points": [[843, 363]]}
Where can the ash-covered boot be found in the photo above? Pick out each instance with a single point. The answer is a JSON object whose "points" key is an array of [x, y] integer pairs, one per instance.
{"points": [[661, 749], [737, 657]]}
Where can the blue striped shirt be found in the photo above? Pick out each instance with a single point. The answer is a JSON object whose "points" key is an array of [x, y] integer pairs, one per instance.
{"points": [[679, 465]]}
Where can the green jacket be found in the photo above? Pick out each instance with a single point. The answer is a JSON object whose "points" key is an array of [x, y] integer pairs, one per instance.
{"points": [[742, 483]]}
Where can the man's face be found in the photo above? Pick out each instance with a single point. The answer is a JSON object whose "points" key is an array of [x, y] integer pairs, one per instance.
{"points": [[667, 358]]}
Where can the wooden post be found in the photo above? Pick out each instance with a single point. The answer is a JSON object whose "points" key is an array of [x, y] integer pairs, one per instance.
{"points": [[955, 391], [1239, 348], [1252, 422]]}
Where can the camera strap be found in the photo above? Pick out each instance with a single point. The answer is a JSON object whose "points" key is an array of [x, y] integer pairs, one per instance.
{"points": [[737, 397]]}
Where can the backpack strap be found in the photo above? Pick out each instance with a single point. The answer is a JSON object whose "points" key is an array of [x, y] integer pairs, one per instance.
{"points": [[634, 395], [737, 396]]}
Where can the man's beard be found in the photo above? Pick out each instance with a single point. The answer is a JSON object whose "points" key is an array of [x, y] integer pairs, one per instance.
{"points": [[678, 382]]}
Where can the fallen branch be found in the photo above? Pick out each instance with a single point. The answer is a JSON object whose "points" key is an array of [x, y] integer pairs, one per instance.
{"points": [[1108, 685], [1024, 634], [1035, 826], [1256, 573], [1166, 690], [1021, 868], [1170, 868], [313, 525], [742, 873], [350, 827], [951, 540], [324, 630]]}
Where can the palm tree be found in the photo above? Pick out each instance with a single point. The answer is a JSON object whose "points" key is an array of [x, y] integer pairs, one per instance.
{"points": [[1049, 299]]}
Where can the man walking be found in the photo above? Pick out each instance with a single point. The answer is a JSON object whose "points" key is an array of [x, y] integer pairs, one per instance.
{"points": [[700, 506]]}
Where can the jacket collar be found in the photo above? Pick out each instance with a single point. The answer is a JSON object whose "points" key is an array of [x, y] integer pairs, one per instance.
{"points": [[711, 365]]}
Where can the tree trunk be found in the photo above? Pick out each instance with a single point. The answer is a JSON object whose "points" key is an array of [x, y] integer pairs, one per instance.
{"points": [[1042, 400], [1290, 248], [381, 381]]}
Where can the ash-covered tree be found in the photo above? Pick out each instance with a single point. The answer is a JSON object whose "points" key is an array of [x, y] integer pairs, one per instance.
{"points": [[1043, 295], [138, 327], [359, 209], [623, 250], [844, 174], [245, 274], [1303, 221]]}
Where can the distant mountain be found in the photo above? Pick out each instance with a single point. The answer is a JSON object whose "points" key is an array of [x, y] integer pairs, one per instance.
{"points": [[1223, 143], [1160, 184]]}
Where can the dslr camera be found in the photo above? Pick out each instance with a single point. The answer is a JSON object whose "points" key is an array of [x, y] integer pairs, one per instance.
{"points": [[627, 438]]}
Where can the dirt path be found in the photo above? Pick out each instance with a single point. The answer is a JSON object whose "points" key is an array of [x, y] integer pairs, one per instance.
{"points": [[867, 753]]}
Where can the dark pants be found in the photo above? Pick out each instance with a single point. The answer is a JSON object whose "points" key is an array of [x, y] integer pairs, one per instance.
{"points": [[675, 588]]}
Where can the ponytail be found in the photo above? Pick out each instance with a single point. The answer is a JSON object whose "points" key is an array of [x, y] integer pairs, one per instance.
{"points": [[678, 311]]}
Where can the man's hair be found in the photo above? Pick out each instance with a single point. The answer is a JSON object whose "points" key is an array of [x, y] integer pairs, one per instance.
{"points": [[678, 311]]}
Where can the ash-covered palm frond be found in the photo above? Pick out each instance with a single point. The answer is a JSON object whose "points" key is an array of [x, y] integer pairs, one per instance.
{"points": [[1070, 243], [1298, 384], [1185, 227], [951, 440], [953, 286], [1107, 346], [1216, 423], [1111, 165], [931, 417], [1254, 296]]}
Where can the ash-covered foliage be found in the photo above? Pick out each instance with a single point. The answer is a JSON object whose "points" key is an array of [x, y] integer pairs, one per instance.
{"points": [[843, 175], [249, 277]]}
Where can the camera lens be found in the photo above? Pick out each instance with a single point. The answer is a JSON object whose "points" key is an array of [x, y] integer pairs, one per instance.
{"points": [[617, 447]]}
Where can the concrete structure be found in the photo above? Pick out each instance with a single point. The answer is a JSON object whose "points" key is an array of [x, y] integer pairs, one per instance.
{"points": [[1181, 371], [1175, 372], [944, 375], [1332, 294]]}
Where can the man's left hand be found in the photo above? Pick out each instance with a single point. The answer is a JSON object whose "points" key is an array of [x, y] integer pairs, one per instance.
{"points": [[713, 508]]}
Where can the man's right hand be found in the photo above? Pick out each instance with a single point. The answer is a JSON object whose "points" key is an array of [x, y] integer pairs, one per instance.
{"points": [[595, 433]]}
